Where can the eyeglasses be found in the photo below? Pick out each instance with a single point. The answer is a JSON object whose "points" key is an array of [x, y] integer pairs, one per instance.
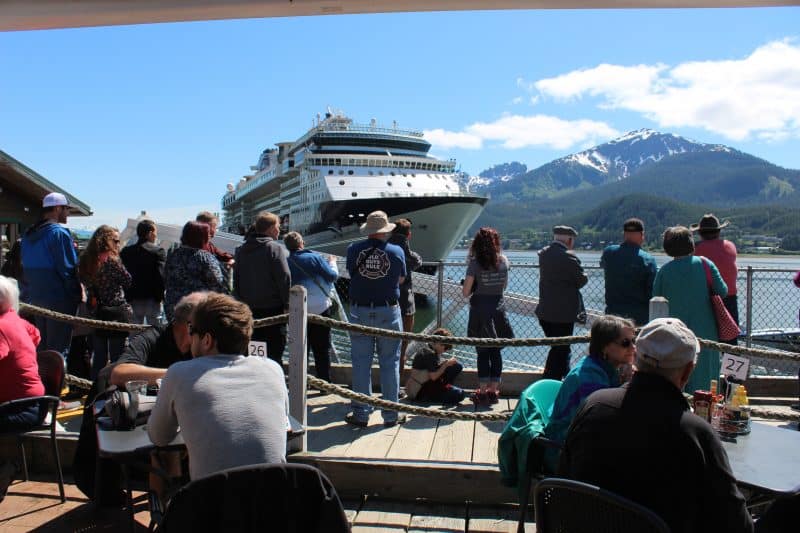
{"points": [[626, 343]]}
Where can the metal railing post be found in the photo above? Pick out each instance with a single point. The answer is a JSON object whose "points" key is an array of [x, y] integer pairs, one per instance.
{"points": [[659, 307], [298, 364], [749, 306], [439, 293]]}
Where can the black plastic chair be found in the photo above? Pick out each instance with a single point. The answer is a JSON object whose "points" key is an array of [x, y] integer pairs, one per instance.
{"points": [[52, 370], [290, 498], [567, 506], [536, 451]]}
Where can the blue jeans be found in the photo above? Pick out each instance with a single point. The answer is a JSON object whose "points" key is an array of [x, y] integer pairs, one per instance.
{"points": [[146, 308], [56, 335], [362, 348], [20, 418]]}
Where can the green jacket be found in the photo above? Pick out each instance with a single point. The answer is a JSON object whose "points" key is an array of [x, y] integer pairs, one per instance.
{"points": [[525, 424]]}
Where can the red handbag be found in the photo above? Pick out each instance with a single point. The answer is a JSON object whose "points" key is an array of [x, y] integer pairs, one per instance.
{"points": [[727, 328]]}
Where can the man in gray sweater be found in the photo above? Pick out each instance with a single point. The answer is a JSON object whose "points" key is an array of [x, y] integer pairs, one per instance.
{"points": [[231, 409], [262, 278]]}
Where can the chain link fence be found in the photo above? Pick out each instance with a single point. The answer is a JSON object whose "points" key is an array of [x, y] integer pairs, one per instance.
{"points": [[768, 307]]}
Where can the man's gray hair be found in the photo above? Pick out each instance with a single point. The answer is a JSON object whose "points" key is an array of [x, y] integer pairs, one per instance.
{"points": [[562, 238], [668, 373], [186, 305], [9, 294]]}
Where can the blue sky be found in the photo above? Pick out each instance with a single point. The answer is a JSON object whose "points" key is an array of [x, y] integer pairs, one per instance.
{"points": [[160, 117]]}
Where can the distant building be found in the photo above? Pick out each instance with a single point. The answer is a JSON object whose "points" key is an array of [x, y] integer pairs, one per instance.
{"points": [[21, 193]]}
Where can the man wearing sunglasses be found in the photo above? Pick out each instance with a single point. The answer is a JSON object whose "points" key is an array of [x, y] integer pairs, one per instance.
{"points": [[232, 410]]}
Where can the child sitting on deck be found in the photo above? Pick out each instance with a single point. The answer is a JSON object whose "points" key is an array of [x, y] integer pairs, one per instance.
{"points": [[432, 376]]}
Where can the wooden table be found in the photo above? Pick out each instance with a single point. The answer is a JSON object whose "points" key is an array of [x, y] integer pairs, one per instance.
{"points": [[766, 461]]}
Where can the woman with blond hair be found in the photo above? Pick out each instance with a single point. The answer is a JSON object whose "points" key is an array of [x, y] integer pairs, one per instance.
{"points": [[486, 279], [102, 272]]}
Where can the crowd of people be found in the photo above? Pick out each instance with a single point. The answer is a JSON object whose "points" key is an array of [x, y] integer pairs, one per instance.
{"points": [[199, 355]]}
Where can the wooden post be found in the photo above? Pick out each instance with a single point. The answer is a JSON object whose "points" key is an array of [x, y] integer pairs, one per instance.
{"points": [[659, 307], [298, 363]]}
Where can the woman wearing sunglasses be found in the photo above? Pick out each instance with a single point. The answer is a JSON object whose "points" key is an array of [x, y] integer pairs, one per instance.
{"points": [[611, 353]]}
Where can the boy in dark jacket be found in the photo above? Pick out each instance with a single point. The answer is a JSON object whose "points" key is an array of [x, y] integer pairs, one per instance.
{"points": [[432, 376]]}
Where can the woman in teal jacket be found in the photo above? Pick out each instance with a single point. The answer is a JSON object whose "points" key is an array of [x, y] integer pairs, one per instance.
{"points": [[682, 281]]}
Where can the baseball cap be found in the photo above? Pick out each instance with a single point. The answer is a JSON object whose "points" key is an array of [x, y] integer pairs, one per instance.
{"points": [[666, 343], [565, 230], [54, 199]]}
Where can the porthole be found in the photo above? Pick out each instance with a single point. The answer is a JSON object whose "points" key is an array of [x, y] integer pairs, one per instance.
{"points": [[371, 173], [404, 175], [354, 194], [389, 183], [330, 173], [341, 182], [350, 172], [408, 183], [380, 173], [341, 172], [391, 173], [413, 175]]}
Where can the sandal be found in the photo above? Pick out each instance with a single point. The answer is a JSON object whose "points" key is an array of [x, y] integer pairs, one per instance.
{"points": [[478, 398]]}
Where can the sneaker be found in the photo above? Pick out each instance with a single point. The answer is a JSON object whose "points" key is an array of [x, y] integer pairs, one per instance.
{"points": [[478, 398], [401, 419], [492, 397], [353, 421]]}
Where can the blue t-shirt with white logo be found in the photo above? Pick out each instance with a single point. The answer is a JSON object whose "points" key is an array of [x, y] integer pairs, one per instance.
{"points": [[375, 269]]}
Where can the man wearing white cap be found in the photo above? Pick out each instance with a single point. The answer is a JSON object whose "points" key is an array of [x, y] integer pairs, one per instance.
{"points": [[377, 268], [641, 440], [49, 264]]}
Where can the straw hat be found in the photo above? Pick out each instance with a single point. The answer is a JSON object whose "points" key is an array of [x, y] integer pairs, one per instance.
{"points": [[377, 222], [709, 222]]}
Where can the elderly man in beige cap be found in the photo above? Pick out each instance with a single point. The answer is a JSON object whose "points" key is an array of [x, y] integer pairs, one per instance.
{"points": [[377, 268], [641, 441]]}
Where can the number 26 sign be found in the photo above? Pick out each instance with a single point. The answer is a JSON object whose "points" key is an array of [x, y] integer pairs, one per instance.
{"points": [[733, 365], [257, 348]]}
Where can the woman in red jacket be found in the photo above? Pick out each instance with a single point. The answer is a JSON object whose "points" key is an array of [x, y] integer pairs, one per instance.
{"points": [[19, 372]]}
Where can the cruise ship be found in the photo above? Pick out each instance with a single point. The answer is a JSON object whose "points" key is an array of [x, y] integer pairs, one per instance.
{"points": [[325, 183]]}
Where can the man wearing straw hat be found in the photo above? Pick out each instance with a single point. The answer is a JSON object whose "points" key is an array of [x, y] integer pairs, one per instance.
{"points": [[377, 268], [722, 253]]}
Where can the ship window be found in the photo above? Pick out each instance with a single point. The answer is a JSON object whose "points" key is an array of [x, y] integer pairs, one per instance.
{"points": [[338, 162], [371, 173], [389, 183], [404, 175], [391, 173], [341, 172], [380, 173], [341, 182], [330, 172], [413, 175], [350, 172], [354, 194], [408, 183]]}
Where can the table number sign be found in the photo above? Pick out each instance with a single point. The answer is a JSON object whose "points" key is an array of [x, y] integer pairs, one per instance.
{"points": [[733, 365], [257, 348]]}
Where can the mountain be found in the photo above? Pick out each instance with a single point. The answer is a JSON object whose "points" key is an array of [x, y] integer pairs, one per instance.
{"points": [[670, 177], [613, 161], [497, 174]]}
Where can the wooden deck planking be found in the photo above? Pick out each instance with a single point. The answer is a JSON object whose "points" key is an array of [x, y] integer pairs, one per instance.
{"points": [[327, 431], [431, 518], [383, 516], [493, 519], [414, 439], [484, 448], [373, 441], [453, 441]]}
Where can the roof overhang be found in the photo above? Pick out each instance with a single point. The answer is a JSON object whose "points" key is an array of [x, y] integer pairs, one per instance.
{"points": [[46, 14], [16, 177]]}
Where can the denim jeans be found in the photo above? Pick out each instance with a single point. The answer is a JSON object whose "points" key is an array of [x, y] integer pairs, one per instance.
{"points": [[56, 335], [18, 418], [490, 365], [146, 308], [362, 348]]}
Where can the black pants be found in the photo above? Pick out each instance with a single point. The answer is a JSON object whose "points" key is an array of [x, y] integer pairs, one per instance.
{"points": [[319, 339], [557, 364], [274, 336]]}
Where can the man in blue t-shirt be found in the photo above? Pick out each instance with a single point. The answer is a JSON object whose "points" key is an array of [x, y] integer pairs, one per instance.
{"points": [[629, 273], [376, 269]]}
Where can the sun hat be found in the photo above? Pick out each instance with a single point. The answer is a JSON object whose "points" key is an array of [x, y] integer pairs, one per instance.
{"points": [[54, 199], [565, 230], [666, 343], [377, 222], [708, 222]]}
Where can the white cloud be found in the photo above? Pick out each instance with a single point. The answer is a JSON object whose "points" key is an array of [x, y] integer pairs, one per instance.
{"points": [[757, 96], [516, 100], [523, 131]]}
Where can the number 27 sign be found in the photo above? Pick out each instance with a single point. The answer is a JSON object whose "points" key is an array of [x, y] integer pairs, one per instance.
{"points": [[733, 365]]}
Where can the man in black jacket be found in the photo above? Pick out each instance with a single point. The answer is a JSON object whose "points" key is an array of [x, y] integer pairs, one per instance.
{"points": [[145, 262], [561, 277], [262, 278], [641, 441]]}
